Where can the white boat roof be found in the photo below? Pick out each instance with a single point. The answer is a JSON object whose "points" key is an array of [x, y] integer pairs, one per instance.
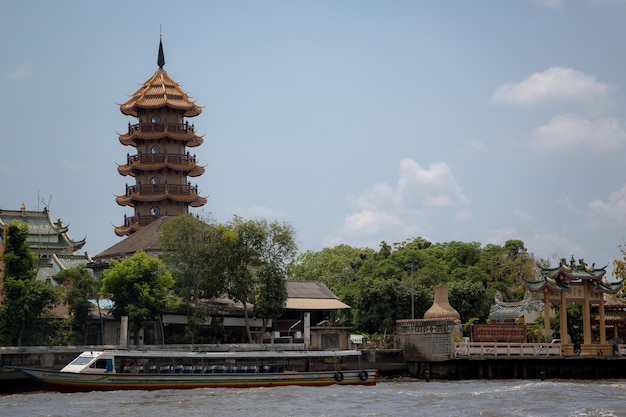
{"points": [[225, 355]]}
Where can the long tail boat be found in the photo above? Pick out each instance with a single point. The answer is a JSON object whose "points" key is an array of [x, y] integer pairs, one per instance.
{"points": [[152, 370]]}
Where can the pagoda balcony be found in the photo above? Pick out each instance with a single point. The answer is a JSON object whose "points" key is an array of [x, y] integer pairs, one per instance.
{"points": [[131, 222], [161, 189], [161, 127], [161, 158]]}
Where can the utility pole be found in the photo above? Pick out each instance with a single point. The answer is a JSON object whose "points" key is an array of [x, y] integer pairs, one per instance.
{"points": [[413, 266]]}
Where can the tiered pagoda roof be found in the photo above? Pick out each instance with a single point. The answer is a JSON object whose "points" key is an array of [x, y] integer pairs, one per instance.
{"points": [[148, 162], [561, 277], [44, 235], [157, 92], [49, 241]]}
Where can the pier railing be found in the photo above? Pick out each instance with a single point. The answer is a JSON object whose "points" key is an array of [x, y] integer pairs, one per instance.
{"points": [[475, 349]]}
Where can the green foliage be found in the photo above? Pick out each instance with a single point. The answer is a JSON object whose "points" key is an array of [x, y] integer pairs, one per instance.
{"points": [[377, 284], [24, 302], [469, 299], [81, 287], [19, 262], [381, 303], [336, 267], [193, 250], [25, 299], [257, 252], [272, 291], [140, 287]]}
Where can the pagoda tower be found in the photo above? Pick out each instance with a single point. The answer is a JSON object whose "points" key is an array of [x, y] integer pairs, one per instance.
{"points": [[162, 164]]}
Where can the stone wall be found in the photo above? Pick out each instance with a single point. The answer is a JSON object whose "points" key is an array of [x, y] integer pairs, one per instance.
{"points": [[426, 340]]}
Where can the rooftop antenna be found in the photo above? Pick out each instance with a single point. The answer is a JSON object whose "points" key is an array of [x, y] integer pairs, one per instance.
{"points": [[161, 58]]}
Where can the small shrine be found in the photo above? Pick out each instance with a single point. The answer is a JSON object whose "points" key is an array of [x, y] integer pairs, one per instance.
{"points": [[515, 312], [576, 283]]}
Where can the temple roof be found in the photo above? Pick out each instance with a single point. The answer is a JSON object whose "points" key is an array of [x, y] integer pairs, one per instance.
{"points": [[559, 278], [574, 271], [145, 239], [44, 235], [157, 92], [502, 310]]}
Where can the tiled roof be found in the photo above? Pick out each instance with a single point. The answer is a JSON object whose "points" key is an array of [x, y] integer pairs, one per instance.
{"points": [[191, 169], [308, 289], [43, 233], [560, 277], [311, 295], [190, 140], [501, 310], [157, 92], [146, 239]]}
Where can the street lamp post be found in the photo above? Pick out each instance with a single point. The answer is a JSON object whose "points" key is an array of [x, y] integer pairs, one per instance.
{"points": [[412, 265]]}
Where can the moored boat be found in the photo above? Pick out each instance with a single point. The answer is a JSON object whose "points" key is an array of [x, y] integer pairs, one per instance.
{"points": [[151, 370]]}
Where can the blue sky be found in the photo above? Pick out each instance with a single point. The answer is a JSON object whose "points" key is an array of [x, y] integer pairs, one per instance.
{"points": [[355, 121]]}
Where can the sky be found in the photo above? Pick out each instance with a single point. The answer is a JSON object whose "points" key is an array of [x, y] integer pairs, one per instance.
{"points": [[354, 121]]}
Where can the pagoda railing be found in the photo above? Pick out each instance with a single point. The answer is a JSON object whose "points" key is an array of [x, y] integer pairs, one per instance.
{"points": [[159, 158], [142, 220], [161, 127], [158, 189]]}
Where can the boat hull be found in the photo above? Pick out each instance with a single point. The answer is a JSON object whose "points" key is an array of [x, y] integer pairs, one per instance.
{"points": [[78, 382]]}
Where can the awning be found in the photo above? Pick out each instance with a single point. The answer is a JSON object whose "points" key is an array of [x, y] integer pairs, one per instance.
{"points": [[315, 304]]}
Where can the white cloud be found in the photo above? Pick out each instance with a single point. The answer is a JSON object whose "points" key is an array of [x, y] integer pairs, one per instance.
{"points": [[401, 211], [556, 84], [614, 208], [569, 132], [436, 185]]}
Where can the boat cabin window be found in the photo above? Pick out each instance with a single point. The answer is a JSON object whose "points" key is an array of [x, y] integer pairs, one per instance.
{"points": [[103, 364], [82, 360]]}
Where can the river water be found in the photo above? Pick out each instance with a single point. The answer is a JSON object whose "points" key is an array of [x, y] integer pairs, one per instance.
{"points": [[407, 398]]}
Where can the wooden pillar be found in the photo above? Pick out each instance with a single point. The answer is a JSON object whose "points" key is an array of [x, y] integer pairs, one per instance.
{"points": [[586, 315], [546, 313], [563, 315], [602, 323]]}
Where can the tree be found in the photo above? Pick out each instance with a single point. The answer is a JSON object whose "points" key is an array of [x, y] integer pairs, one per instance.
{"points": [[250, 245], [25, 298], [192, 249], [81, 288], [19, 261], [382, 302], [336, 267], [272, 293], [140, 287], [469, 299]]}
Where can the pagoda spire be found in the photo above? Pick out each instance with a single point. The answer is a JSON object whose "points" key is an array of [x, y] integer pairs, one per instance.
{"points": [[161, 58]]}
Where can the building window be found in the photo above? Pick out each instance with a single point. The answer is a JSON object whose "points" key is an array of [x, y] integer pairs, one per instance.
{"points": [[154, 180], [155, 149], [154, 211], [156, 119]]}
